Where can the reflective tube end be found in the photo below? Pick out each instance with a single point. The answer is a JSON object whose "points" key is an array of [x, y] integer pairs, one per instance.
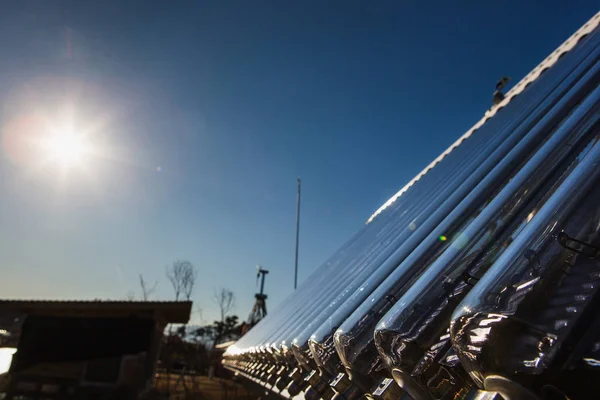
{"points": [[312, 394], [324, 354], [340, 383], [508, 389], [395, 352], [318, 381], [296, 375], [387, 389], [282, 382], [477, 394], [328, 394], [410, 385], [294, 388]]}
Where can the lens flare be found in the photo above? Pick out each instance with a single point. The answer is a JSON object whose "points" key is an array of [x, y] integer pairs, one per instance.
{"points": [[66, 148]]}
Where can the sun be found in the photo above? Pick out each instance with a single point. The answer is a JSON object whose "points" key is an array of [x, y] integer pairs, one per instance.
{"points": [[66, 148]]}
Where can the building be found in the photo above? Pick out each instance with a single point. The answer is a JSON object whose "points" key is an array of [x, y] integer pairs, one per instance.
{"points": [[85, 349]]}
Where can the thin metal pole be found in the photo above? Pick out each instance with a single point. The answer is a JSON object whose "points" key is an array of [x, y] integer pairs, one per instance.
{"points": [[297, 236], [262, 282]]}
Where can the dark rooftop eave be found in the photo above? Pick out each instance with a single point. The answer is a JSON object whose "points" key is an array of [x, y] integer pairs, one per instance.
{"points": [[163, 311]]}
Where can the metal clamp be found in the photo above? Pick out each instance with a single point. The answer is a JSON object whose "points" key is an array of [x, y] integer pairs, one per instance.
{"points": [[576, 245], [469, 279]]}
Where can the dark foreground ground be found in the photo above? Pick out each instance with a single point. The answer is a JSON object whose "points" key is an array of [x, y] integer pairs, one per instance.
{"points": [[203, 388]]}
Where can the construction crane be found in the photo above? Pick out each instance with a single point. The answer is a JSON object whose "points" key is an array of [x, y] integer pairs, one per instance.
{"points": [[259, 310]]}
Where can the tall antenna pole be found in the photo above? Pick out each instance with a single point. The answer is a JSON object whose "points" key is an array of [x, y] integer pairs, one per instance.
{"points": [[297, 236]]}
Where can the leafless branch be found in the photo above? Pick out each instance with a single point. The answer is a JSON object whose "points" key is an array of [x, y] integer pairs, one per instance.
{"points": [[147, 291], [189, 279], [182, 276], [225, 300]]}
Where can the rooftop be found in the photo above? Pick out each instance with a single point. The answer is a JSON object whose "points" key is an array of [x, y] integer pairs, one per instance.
{"points": [[166, 311]]}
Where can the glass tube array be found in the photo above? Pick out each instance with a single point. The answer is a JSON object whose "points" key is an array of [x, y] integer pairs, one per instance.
{"points": [[479, 278]]}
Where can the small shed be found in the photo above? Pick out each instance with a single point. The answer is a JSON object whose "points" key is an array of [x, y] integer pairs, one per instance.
{"points": [[87, 349]]}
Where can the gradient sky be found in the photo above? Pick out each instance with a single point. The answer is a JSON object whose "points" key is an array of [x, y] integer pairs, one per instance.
{"points": [[200, 115]]}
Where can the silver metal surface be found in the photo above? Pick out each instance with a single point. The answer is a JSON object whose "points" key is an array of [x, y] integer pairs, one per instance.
{"points": [[535, 265], [423, 312], [321, 338], [355, 333], [411, 254]]}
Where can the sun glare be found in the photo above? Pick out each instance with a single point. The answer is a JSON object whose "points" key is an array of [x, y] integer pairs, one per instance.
{"points": [[66, 148]]}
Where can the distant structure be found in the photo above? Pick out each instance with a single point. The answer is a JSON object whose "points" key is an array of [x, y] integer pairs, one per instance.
{"points": [[498, 94], [259, 310], [297, 235]]}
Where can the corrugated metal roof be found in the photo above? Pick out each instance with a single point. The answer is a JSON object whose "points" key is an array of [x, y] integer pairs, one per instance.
{"points": [[168, 311]]}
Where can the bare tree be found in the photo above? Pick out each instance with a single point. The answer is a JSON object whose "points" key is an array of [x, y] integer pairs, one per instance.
{"points": [[182, 276], [189, 279], [225, 300], [147, 291]]}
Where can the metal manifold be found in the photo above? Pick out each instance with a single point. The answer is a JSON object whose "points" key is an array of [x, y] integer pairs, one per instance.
{"points": [[478, 280]]}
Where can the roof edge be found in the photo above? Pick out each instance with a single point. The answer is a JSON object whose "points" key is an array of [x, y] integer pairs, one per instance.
{"points": [[550, 60], [168, 311]]}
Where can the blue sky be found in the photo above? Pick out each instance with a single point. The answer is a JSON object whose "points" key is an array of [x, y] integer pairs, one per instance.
{"points": [[199, 116]]}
